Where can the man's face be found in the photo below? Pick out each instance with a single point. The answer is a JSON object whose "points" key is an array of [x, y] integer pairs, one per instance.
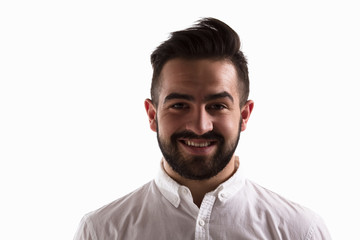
{"points": [[198, 117]]}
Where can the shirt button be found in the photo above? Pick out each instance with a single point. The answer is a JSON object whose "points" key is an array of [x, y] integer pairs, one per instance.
{"points": [[201, 223], [185, 191], [223, 195]]}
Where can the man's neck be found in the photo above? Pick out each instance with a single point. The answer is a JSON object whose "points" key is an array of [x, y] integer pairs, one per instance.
{"points": [[199, 188]]}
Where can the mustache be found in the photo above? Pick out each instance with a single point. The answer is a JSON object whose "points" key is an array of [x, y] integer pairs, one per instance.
{"points": [[189, 134]]}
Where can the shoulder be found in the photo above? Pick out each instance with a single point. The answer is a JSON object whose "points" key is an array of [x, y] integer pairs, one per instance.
{"points": [[118, 214], [284, 216], [267, 199], [125, 204]]}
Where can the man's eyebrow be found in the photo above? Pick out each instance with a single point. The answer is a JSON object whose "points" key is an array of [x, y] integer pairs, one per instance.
{"points": [[219, 95], [191, 98], [179, 96]]}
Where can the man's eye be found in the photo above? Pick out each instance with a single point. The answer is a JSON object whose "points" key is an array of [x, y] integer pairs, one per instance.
{"points": [[217, 107], [179, 106]]}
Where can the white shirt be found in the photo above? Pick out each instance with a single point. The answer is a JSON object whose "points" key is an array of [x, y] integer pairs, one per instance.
{"points": [[237, 209]]}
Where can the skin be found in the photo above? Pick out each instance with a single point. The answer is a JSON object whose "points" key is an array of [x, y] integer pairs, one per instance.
{"points": [[199, 96]]}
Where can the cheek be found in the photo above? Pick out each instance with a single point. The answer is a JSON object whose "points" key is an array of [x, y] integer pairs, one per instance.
{"points": [[228, 127], [168, 125]]}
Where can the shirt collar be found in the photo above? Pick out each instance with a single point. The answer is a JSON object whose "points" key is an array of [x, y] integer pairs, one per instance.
{"points": [[169, 188]]}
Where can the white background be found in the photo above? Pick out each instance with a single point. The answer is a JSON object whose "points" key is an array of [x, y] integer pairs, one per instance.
{"points": [[74, 134]]}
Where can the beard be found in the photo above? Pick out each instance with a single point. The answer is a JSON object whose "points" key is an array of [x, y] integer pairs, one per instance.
{"points": [[198, 167]]}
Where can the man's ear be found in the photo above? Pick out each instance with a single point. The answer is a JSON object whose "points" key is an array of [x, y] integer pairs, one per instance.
{"points": [[245, 113], [151, 112]]}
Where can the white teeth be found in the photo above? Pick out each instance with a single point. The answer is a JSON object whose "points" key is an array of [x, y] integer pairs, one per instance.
{"points": [[204, 144]]}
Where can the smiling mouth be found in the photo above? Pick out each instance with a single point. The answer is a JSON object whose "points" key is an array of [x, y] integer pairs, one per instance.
{"points": [[197, 144]]}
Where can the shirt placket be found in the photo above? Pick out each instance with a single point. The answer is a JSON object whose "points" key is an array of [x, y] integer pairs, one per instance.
{"points": [[203, 219]]}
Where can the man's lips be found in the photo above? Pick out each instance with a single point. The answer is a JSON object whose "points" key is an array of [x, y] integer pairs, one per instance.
{"points": [[197, 143]]}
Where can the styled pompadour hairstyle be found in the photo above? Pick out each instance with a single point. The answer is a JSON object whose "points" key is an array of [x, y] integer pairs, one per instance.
{"points": [[208, 38]]}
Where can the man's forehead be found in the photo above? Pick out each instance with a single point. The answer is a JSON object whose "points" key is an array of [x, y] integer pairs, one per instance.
{"points": [[198, 72], [181, 66], [198, 77]]}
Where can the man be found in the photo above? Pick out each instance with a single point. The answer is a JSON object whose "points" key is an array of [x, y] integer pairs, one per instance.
{"points": [[199, 106]]}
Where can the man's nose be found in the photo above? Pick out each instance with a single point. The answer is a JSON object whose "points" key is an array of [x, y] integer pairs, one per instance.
{"points": [[199, 122]]}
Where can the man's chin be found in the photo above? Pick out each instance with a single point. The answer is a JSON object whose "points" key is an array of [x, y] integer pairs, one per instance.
{"points": [[200, 161], [195, 167]]}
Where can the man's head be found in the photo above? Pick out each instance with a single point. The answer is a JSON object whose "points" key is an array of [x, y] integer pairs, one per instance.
{"points": [[199, 104], [210, 39]]}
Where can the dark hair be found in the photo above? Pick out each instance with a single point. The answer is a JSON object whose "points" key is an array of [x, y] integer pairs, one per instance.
{"points": [[209, 38]]}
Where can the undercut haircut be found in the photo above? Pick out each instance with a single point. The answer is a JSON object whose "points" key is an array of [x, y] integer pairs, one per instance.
{"points": [[209, 38]]}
